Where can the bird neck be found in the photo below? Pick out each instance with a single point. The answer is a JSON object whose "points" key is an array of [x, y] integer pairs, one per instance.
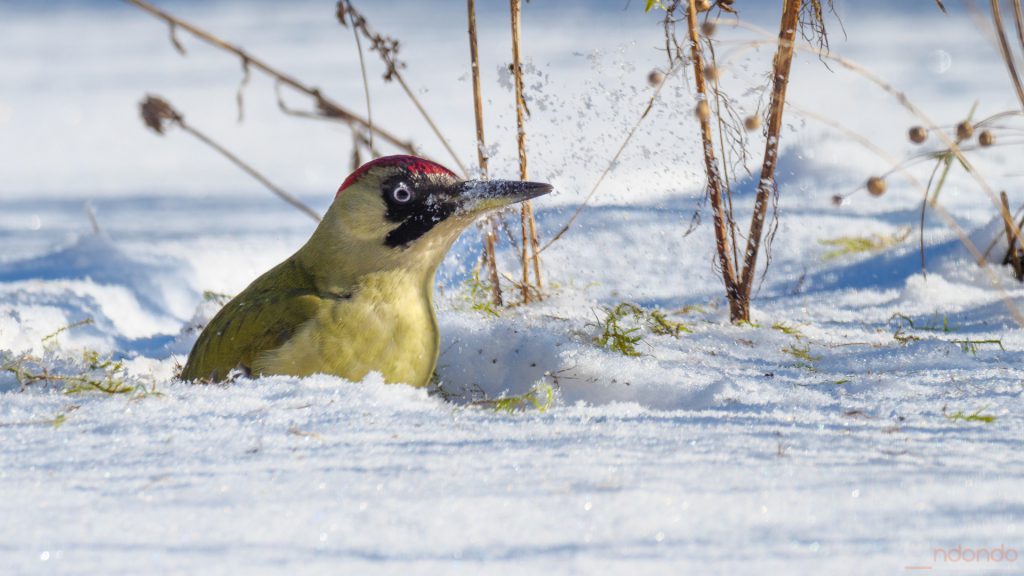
{"points": [[341, 263], [342, 253]]}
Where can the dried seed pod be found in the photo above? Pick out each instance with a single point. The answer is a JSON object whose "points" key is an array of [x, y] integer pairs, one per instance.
{"points": [[876, 185], [655, 78], [707, 28], [838, 200], [986, 138], [341, 13], [703, 110], [711, 73], [918, 134], [157, 113], [752, 122], [964, 130], [703, 5]]}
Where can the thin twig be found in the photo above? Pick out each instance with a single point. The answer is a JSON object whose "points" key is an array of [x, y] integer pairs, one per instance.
{"points": [[328, 107], [1012, 255], [949, 142], [529, 224], [387, 48], [902, 98], [157, 113], [491, 223], [1018, 20], [366, 84], [1004, 45], [766, 184], [736, 311]]}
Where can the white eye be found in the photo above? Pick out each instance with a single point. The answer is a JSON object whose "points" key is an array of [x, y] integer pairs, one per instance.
{"points": [[401, 193]]}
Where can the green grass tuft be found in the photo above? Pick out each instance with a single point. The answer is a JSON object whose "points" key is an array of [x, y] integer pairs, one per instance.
{"points": [[479, 294], [844, 245], [803, 354], [788, 330], [972, 346], [975, 416], [541, 396], [623, 325]]}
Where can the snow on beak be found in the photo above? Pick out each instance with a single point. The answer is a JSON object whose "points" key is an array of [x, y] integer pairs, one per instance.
{"points": [[476, 196]]}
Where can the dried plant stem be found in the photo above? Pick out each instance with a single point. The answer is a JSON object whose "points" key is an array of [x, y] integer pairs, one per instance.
{"points": [[1018, 20], [156, 112], [1012, 255], [1004, 46], [366, 88], [529, 239], [491, 224], [387, 49], [737, 311], [766, 185], [430, 122], [328, 107], [953, 147], [250, 171], [948, 141]]}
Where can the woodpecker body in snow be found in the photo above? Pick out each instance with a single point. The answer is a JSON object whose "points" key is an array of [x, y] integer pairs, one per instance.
{"points": [[358, 296]]}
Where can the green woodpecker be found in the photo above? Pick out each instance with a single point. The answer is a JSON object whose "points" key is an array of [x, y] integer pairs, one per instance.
{"points": [[358, 296]]}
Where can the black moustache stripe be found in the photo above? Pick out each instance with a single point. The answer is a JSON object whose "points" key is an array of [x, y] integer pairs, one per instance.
{"points": [[415, 226]]}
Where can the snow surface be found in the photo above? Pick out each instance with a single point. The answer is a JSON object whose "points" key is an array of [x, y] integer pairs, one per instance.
{"points": [[815, 442]]}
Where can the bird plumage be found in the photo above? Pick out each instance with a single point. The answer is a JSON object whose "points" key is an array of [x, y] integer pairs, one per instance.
{"points": [[357, 297]]}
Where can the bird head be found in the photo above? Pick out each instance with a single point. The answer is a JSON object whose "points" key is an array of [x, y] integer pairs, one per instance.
{"points": [[406, 211]]}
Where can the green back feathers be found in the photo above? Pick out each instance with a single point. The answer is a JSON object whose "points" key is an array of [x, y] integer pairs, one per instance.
{"points": [[261, 318]]}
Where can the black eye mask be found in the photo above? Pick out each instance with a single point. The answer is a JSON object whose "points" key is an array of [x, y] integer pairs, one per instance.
{"points": [[428, 204]]}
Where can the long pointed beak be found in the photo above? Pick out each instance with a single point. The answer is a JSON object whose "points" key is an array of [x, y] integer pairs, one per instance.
{"points": [[478, 196]]}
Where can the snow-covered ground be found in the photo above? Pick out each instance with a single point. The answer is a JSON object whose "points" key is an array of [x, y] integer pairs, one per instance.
{"points": [[829, 438]]}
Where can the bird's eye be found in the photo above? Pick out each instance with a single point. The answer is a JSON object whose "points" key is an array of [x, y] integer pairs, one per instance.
{"points": [[401, 193]]}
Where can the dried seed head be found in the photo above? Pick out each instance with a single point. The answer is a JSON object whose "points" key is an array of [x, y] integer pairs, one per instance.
{"points": [[655, 78], [156, 113], [703, 5], [964, 130], [838, 200], [986, 138], [876, 185], [710, 73], [707, 28], [918, 134], [703, 110], [752, 122], [342, 13]]}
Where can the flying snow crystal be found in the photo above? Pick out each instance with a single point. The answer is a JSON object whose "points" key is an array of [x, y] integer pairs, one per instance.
{"points": [[939, 61]]}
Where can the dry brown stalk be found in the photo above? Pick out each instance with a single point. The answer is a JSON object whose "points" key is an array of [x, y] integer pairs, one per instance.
{"points": [[711, 170], [766, 185], [157, 113], [530, 242], [1012, 255], [947, 141], [325, 106], [1004, 46], [1018, 20], [387, 48], [491, 224], [366, 90]]}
